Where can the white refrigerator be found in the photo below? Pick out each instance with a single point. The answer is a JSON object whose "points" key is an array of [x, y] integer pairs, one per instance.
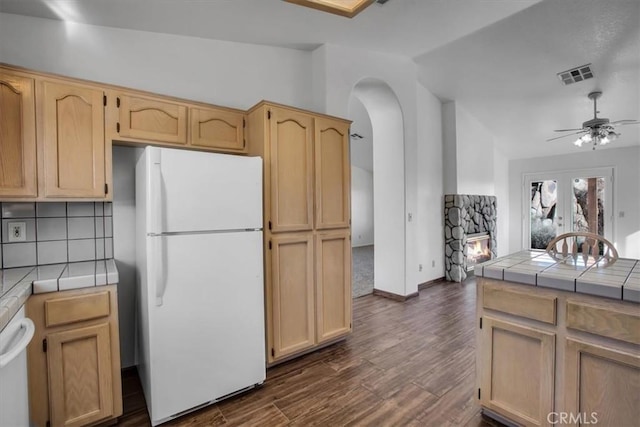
{"points": [[200, 278]]}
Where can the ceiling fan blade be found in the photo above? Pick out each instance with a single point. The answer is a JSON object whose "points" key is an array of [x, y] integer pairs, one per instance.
{"points": [[567, 130], [625, 122], [564, 136]]}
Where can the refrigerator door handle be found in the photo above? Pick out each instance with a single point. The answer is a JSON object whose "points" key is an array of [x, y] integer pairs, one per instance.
{"points": [[160, 279], [157, 189]]}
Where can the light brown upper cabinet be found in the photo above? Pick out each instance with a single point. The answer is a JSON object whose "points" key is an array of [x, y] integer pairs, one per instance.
{"points": [[332, 167], [217, 129], [71, 139], [291, 168], [150, 119], [17, 136], [333, 284]]}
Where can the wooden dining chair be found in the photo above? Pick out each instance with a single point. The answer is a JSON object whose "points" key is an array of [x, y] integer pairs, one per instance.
{"points": [[582, 244]]}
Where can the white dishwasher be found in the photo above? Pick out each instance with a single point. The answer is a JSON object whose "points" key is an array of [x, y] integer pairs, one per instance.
{"points": [[14, 397]]}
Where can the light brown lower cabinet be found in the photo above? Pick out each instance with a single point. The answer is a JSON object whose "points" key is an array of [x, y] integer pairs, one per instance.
{"points": [[291, 297], [602, 384], [517, 371], [333, 284], [574, 360], [308, 291], [74, 358]]}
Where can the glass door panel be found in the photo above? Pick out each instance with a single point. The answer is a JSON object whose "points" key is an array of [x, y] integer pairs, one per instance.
{"points": [[543, 218], [588, 205]]}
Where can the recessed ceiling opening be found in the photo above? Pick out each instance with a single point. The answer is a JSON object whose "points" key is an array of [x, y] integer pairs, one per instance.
{"points": [[348, 8]]}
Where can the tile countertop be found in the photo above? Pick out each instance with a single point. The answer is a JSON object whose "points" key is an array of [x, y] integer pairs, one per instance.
{"points": [[620, 280], [17, 284]]}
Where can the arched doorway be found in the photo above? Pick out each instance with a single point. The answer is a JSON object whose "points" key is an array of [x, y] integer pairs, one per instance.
{"points": [[387, 176]]}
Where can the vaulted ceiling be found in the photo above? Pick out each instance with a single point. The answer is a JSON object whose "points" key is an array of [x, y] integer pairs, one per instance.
{"points": [[498, 59]]}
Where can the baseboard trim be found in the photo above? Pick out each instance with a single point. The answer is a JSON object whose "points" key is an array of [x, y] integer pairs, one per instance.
{"points": [[395, 297], [430, 283], [308, 351]]}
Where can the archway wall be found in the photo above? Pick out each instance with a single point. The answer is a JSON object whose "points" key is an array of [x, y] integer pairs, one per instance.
{"points": [[401, 244]]}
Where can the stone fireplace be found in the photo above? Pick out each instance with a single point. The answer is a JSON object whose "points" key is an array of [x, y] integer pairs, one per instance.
{"points": [[469, 233]]}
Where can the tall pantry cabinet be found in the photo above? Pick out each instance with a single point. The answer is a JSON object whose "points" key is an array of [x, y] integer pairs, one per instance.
{"points": [[307, 226]]}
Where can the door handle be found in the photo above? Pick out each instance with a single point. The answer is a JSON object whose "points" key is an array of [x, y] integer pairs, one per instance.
{"points": [[29, 327]]}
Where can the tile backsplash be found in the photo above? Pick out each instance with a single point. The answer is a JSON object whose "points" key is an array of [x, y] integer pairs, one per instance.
{"points": [[56, 233]]}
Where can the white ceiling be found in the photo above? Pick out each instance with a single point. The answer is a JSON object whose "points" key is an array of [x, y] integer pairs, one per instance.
{"points": [[505, 74], [497, 58], [403, 27]]}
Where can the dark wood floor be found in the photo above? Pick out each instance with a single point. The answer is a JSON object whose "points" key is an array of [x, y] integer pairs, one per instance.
{"points": [[406, 364]]}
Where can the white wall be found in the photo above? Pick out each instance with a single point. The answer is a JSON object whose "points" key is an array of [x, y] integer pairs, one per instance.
{"points": [[469, 154], [124, 246], [337, 70], [430, 196], [474, 155], [626, 193], [473, 164], [388, 183], [449, 147], [224, 73], [361, 149], [501, 185], [361, 207]]}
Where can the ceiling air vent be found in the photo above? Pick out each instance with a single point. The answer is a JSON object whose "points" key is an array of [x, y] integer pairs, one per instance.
{"points": [[576, 75]]}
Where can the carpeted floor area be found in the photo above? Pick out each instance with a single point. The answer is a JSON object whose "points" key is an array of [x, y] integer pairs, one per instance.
{"points": [[362, 271]]}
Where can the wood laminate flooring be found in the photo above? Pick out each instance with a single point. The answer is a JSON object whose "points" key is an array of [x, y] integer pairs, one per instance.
{"points": [[406, 364]]}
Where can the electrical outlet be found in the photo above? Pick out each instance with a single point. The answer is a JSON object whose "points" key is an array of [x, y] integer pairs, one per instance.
{"points": [[17, 231], [433, 263], [419, 267]]}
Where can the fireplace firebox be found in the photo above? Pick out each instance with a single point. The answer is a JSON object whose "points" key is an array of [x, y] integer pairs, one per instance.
{"points": [[478, 250]]}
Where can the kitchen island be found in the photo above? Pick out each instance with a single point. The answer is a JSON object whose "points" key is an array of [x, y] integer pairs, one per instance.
{"points": [[558, 341]]}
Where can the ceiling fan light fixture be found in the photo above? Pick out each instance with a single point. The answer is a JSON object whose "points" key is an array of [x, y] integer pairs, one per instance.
{"points": [[610, 137], [598, 130]]}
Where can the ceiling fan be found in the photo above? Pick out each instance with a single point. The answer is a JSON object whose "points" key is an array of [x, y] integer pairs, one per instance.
{"points": [[599, 131]]}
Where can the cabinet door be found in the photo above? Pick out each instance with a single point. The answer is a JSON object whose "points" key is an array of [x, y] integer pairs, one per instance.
{"points": [[217, 129], [292, 294], [517, 371], [152, 120], [333, 172], [602, 385], [80, 375], [17, 136], [333, 284], [291, 169], [73, 141]]}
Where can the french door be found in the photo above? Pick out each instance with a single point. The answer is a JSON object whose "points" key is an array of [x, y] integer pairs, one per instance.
{"points": [[561, 202]]}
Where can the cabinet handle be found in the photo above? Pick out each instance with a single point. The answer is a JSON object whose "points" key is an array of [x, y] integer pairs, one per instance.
{"points": [[29, 327]]}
